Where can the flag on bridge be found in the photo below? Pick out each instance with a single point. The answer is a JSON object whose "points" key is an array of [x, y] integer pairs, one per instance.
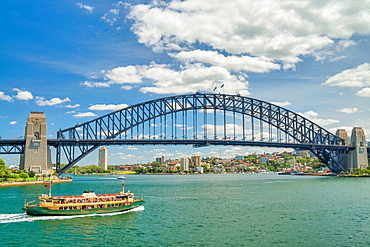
{"points": [[222, 85], [215, 89]]}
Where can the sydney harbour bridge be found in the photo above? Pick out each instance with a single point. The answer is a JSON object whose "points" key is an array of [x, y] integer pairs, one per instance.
{"points": [[194, 119]]}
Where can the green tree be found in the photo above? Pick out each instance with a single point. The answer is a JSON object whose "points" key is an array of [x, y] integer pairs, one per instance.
{"points": [[301, 160], [31, 173], [140, 170], [23, 175], [155, 164], [4, 171], [205, 169], [316, 164]]}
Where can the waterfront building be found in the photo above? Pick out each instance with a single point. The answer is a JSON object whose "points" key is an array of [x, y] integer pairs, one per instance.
{"points": [[239, 157], [184, 164], [200, 169], [103, 158], [302, 153], [264, 160], [160, 160], [195, 160], [126, 168]]}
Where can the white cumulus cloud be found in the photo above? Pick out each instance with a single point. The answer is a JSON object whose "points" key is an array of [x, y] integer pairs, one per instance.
{"points": [[365, 92], [282, 104], [314, 117], [85, 114], [72, 106], [357, 77], [3, 96], [13, 122], [348, 110], [237, 63], [87, 7], [40, 101], [192, 78], [104, 107], [123, 75], [22, 95], [277, 30], [95, 84]]}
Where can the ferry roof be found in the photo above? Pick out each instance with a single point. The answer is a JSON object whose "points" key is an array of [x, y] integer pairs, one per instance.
{"points": [[100, 195]]}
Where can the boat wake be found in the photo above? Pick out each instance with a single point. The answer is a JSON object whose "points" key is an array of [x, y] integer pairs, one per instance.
{"points": [[16, 218]]}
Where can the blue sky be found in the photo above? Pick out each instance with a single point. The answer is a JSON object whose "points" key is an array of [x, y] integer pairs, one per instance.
{"points": [[76, 60]]}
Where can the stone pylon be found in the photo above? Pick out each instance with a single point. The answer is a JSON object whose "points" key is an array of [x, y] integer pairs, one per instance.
{"points": [[344, 158], [358, 156], [36, 155]]}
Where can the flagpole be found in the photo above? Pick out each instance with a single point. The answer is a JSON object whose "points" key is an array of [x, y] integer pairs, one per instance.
{"points": [[50, 188], [123, 185]]}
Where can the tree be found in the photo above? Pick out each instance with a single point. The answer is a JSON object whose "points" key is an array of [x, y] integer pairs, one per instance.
{"points": [[301, 160], [316, 164], [23, 175], [4, 171], [140, 170], [155, 164], [205, 169], [31, 173]]}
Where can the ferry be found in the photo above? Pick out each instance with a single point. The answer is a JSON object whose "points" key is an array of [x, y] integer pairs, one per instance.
{"points": [[87, 203]]}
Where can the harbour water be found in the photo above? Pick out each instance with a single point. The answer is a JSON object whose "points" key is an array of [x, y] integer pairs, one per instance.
{"points": [[201, 210]]}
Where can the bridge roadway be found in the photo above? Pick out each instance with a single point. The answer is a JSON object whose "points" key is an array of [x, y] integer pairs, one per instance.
{"points": [[9, 146]]}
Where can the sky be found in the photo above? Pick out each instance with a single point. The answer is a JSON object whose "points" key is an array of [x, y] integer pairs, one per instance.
{"points": [[77, 60]]}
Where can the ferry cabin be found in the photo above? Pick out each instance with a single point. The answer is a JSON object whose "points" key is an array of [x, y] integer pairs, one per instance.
{"points": [[88, 200]]}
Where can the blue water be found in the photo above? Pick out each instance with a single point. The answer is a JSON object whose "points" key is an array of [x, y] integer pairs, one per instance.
{"points": [[201, 210]]}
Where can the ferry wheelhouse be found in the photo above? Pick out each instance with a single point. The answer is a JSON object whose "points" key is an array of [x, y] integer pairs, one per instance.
{"points": [[87, 203]]}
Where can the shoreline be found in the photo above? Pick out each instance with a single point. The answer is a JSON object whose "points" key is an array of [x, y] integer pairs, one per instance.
{"points": [[10, 184]]}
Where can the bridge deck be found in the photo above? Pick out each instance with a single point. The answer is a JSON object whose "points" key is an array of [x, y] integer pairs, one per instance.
{"points": [[197, 143]]}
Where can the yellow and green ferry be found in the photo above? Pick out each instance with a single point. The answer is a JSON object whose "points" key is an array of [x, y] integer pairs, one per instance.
{"points": [[87, 203]]}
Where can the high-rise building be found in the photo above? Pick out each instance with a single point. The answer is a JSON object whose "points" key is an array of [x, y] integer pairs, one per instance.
{"points": [[195, 160], [302, 153], [103, 158], [160, 160], [184, 164], [239, 157]]}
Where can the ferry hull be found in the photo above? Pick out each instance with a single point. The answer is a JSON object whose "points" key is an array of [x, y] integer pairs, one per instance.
{"points": [[44, 211]]}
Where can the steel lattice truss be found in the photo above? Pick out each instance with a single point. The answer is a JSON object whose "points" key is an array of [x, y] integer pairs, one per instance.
{"points": [[12, 146], [201, 120]]}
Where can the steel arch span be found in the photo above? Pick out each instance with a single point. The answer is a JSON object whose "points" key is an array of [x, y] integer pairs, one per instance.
{"points": [[201, 120]]}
